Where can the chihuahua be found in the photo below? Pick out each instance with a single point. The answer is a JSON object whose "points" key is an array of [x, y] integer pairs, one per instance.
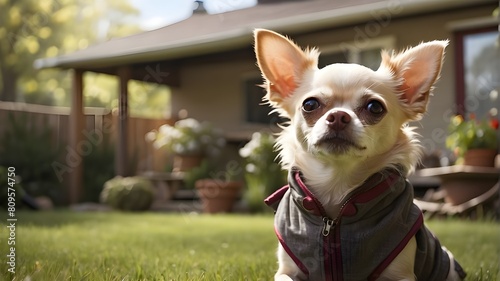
{"points": [[347, 212]]}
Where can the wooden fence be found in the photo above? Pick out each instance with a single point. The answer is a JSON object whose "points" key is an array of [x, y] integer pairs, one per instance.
{"points": [[99, 125]]}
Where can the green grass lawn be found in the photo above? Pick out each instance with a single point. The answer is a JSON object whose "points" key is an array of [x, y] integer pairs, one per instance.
{"points": [[157, 246]]}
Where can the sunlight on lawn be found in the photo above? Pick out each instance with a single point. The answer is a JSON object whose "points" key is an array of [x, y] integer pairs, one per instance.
{"points": [[158, 246]]}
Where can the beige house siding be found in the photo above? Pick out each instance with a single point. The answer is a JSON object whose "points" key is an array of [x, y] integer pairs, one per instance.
{"points": [[214, 91]]}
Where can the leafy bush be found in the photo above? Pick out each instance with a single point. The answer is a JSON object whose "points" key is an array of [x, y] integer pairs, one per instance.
{"points": [[128, 194], [263, 175], [98, 168], [28, 147], [196, 173], [188, 137]]}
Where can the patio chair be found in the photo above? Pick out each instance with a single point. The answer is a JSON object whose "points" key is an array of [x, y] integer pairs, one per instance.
{"points": [[432, 204]]}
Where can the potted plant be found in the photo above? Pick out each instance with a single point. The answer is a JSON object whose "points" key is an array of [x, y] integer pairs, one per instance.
{"points": [[474, 141], [263, 175], [219, 192], [189, 140]]}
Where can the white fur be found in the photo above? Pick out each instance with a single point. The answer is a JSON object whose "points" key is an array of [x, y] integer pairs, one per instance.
{"points": [[402, 266], [402, 84], [287, 267]]}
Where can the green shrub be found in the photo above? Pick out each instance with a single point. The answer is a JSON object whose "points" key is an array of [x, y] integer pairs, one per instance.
{"points": [[99, 167], [28, 147], [263, 175], [197, 173], [128, 194]]}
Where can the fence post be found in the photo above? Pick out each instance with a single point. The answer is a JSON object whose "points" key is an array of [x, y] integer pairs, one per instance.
{"points": [[121, 163], [75, 138]]}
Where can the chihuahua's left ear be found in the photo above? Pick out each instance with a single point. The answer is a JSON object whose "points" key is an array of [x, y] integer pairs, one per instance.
{"points": [[417, 69], [282, 64]]}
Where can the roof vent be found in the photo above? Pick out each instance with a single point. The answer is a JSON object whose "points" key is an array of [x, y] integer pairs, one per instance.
{"points": [[198, 7]]}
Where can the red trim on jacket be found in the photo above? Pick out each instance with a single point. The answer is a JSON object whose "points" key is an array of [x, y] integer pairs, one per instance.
{"points": [[415, 228], [301, 266]]}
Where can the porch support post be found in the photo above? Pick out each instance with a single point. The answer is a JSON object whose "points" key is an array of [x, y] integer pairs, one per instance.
{"points": [[121, 158], [76, 137]]}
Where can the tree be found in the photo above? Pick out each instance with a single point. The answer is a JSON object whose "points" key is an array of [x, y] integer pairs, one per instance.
{"points": [[146, 100], [36, 29]]}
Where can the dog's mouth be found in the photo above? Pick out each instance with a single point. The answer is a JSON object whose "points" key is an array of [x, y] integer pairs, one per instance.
{"points": [[338, 143]]}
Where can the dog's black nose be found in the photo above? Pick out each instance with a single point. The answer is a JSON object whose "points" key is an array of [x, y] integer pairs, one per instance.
{"points": [[338, 120]]}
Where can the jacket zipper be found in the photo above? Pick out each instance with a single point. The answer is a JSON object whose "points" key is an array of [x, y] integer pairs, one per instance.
{"points": [[333, 255], [330, 252], [328, 224]]}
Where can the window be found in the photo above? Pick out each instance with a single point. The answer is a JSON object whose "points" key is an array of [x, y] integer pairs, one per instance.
{"points": [[478, 71], [366, 53], [256, 110], [335, 57]]}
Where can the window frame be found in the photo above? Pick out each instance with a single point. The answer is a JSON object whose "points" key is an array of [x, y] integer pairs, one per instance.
{"points": [[354, 49], [458, 37]]}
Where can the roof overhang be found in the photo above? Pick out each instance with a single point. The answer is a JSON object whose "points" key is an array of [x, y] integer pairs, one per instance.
{"points": [[240, 36]]}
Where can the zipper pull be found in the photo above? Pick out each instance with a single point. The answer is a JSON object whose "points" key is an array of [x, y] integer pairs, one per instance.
{"points": [[328, 225]]}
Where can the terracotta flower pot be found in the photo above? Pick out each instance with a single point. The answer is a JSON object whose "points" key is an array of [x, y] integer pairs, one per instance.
{"points": [[480, 157], [463, 188], [218, 196], [184, 163]]}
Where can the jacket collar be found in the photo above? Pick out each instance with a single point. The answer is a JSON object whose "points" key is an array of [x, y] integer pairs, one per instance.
{"points": [[375, 187]]}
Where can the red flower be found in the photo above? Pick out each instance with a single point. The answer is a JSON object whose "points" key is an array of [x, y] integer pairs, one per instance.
{"points": [[494, 123]]}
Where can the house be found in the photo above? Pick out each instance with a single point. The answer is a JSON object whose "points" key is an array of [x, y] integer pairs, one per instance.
{"points": [[208, 60]]}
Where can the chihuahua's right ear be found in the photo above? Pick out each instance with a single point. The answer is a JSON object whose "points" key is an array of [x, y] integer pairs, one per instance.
{"points": [[282, 64]]}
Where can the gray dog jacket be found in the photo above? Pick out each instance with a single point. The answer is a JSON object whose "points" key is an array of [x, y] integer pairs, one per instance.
{"points": [[374, 225]]}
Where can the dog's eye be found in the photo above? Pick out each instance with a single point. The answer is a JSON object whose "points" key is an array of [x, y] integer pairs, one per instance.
{"points": [[375, 107], [310, 104]]}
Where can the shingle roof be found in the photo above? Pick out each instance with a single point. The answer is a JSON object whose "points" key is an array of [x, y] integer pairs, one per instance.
{"points": [[205, 33]]}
